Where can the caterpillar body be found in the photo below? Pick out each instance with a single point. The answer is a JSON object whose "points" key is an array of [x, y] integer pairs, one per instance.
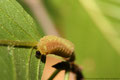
{"points": [[56, 45]]}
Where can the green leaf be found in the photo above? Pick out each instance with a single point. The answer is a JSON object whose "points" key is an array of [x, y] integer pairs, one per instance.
{"points": [[28, 9], [14, 20], [93, 26], [25, 6], [17, 27]]}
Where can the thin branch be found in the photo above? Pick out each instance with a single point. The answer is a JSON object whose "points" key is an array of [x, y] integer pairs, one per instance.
{"points": [[17, 43], [54, 74], [66, 75]]}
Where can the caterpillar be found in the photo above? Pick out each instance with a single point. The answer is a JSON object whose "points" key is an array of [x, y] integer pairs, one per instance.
{"points": [[59, 46]]}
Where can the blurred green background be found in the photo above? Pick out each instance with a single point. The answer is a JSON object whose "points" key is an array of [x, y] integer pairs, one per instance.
{"points": [[94, 52]]}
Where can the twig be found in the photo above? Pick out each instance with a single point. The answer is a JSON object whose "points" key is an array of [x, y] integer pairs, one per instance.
{"points": [[54, 74], [66, 75], [18, 43]]}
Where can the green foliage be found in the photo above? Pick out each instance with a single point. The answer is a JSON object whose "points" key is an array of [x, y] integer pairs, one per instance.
{"points": [[15, 24]]}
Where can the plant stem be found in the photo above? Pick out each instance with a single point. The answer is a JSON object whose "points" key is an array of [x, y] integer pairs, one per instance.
{"points": [[66, 75], [17, 43], [54, 74]]}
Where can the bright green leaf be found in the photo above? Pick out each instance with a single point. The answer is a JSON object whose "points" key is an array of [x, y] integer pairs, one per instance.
{"points": [[18, 63]]}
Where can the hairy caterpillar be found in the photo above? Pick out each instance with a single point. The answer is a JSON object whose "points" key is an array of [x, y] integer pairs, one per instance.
{"points": [[56, 45], [61, 47]]}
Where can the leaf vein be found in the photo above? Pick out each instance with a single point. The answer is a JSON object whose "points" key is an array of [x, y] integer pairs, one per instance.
{"points": [[16, 23]]}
